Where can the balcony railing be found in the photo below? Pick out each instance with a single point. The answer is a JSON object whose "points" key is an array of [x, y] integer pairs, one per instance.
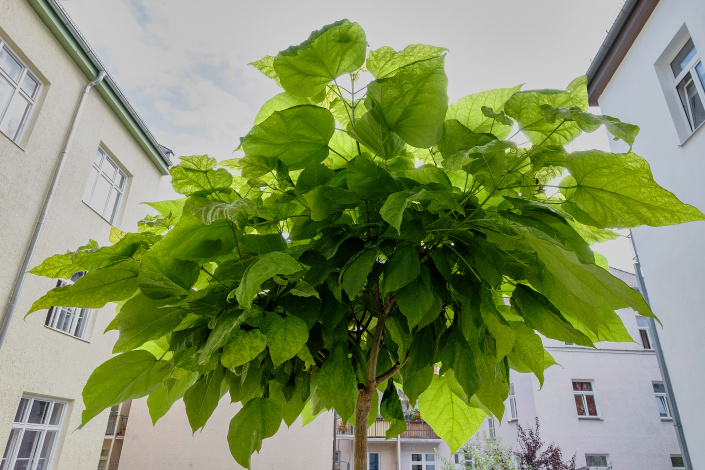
{"points": [[108, 465], [117, 424], [415, 429]]}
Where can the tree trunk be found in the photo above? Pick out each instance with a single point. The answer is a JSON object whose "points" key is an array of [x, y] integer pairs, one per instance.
{"points": [[362, 412]]}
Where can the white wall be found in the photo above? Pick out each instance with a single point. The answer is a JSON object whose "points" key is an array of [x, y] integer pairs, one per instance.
{"points": [[672, 258]]}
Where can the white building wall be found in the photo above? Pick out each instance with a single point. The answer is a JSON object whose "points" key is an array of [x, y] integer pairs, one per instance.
{"points": [[672, 258]]}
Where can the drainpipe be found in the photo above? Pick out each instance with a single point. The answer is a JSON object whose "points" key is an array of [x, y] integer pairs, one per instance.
{"points": [[662, 364], [45, 209]]}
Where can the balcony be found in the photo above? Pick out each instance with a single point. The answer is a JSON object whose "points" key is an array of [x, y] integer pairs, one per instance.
{"points": [[415, 429], [117, 424]]}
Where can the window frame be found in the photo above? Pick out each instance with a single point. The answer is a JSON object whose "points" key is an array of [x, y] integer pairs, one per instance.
{"points": [[114, 182], [673, 464], [688, 70], [607, 461], [492, 430], [647, 330], [77, 313], [423, 462], [583, 394], [13, 442], [513, 413], [17, 90], [379, 460], [662, 397]]}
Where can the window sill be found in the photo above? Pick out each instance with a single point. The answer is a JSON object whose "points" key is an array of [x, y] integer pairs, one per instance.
{"points": [[97, 213], [67, 334], [702, 124], [666, 419], [513, 420], [12, 141], [591, 418]]}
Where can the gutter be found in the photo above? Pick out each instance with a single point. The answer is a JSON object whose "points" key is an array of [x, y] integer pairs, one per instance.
{"points": [[67, 34], [45, 208], [677, 424]]}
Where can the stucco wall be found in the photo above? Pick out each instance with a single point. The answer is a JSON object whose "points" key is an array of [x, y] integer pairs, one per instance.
{"points": [[33, 358], [171, 445], [672, 258]]}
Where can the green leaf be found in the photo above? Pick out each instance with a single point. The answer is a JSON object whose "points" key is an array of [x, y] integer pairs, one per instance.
{"points": [[266, 66], [95, 289], [242, 347], [415, 299], [468, 111], [316, 174], [285, 336], [56, 266], [191, 182], [279, 102], [324, 199], [343, 149], [590, 123], [304, 289], [618, 191], [334, 50], [191, 239], [161, 400], [130, 375], [390, 409], [238, 211], [142, 320], [456, 144], [368, 180], [385, 61], [542, 316], [402, 268], [354, 274], [123, 250], [161, 278], [202, 398], [259, 419], [372, 132], [297, 136], [335, 383], [453, 420], [417, 383], [264, 268], [528, 348], [413, 102]]}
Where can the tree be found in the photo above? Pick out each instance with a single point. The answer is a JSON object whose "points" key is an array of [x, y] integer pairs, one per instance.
{"points": [[532, 455], [366, 235]]}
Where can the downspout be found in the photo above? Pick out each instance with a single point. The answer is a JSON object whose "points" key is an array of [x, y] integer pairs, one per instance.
{"points": [[45, 209], [680, 434]]}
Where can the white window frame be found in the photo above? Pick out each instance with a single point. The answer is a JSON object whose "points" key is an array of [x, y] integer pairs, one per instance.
{"points": [[513, 414], [423, 462], [607, 461], [19, 93], [688, 69], [19, 428], [379, 460], [118, 183], [583, 394], [462, 461], [662, 397], [644, 327], [59, 314], [673, 465], [491, 427]]}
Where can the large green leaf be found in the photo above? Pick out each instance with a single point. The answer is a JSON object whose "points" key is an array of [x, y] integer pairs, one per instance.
{"points": [[528, 348], [142, 320], [468, 111], [447, 414], [264, 268], [456, 144], [402, 268], [200, 182], [372, 132], [391, 410], [385, 61], [279, 102], [285, 336], [259, 419], [297, 136], [161, 278], [413, 102], [590, 123], [369, 180], [324, 199], [354, 274], [242, 347], [202, 398], [618, 191], [161, 400], [95, 289], [238, 211], [191, 239], [335, 383], [416, 298], [334, 50], [130, 375]]}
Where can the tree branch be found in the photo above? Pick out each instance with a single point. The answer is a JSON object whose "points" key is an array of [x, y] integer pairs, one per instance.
{"points": [[388, 375]]}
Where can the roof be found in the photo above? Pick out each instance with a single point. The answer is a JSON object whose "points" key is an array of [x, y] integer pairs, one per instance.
{"points": [[628, 278], [65, 31], [627, 26]]}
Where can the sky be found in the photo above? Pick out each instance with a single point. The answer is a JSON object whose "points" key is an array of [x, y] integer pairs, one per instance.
{"points": [[184, 64]]}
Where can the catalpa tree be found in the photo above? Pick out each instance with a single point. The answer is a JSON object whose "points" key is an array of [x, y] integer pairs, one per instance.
{"points": [[371, 240]]}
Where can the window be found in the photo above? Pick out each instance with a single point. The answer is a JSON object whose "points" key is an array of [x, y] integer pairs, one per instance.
{"points": [[462, 461], [662, 400], [19, 89], [677, 462], [596, 461], [689, 79], [585, 399], [423, 461], [644, 332], [513, 416], [34, 434], [70, 320], [490, 425], [373, 461], [105, 187]]}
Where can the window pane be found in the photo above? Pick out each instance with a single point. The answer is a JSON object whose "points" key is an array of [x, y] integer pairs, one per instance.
{"points": [[586, 386], [6, 91], [373, 461], [11, 442], [81, 323], [430, 457], [659, 388], [90, 185], [596, 460], [417, 467], [111, 210], [591, 407], [644, 334], [19, 416], [38, 413], [100, 194], [662, 406], [697, 111], [701, 73], [683, 57], [27, 450], [10, 65], [56, 414], [98, 158], [14, 116], [416, 457], [121, 180], [48, 444], [677, 461], [579, 405], [642, 322], [109, 168], [65, 318], [29, 85], [430, 467]]}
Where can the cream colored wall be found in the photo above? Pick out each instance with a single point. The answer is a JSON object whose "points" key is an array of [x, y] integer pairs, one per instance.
{"points": [[171, 445], [33, 358]]}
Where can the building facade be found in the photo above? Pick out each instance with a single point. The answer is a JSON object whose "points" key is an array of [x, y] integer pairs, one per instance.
{"points": [[111, 163], [650, 72]]}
